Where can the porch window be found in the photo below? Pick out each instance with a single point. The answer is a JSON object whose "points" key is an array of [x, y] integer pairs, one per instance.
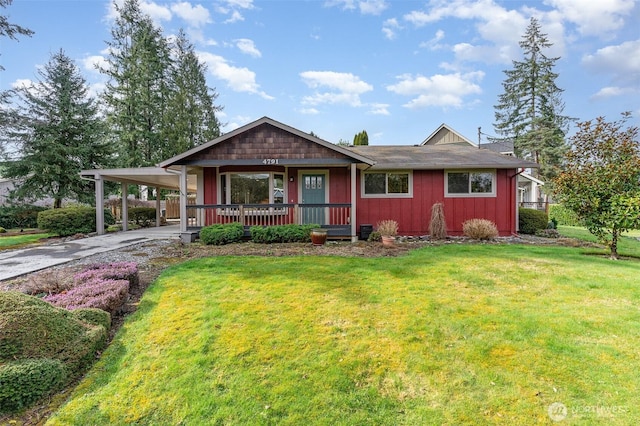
{"points": [[252, 188], [387, 184], [470, 183]]}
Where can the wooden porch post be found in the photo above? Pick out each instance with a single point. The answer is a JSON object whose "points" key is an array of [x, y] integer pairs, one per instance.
{"points": [[125, 207], [99, 204], [354, 194]]}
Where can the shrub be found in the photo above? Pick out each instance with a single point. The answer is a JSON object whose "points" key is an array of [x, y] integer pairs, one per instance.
{"points": [[438, 225], [26, 381], [20, 217], [387, 228], [93, 316], [282, 233], [564, 216], [143, 216], [115, 271], [480, 229], [106, 294], [532, 220], [2, 230], [71, 220], [375, 237], [49, 281], [222, 234], [34, 329]]}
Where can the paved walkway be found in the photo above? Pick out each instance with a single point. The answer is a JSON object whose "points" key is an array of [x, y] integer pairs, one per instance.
{"points": [[14, 263]]}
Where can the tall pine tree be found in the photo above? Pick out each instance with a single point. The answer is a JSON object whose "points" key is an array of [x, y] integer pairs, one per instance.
{"points": [[530, 110], [138, 90], [191, 102], [59, 134]]}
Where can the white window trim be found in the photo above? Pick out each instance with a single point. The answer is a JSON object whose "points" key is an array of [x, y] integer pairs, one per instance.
{"points": [[407, 195], [271, 187], [470, 194]]}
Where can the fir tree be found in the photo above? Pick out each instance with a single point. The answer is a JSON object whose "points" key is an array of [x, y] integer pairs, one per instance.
{"points": [[361, 138], [529, 111], [59, 134], [193, 120]]}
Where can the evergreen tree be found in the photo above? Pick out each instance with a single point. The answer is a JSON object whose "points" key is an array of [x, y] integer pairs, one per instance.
{"points": [[361, 138], [193, 118], [7, 115], [137, 91], [529, 111], [59, 134]]}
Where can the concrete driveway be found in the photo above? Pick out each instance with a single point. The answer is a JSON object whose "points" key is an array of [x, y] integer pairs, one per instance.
{"points": [[14, 263]]}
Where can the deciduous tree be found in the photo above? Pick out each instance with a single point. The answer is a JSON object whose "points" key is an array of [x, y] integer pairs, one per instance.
{"points": [[600, 180]]}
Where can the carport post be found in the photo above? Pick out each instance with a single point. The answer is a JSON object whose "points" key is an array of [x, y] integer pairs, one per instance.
{"points": [[99, 204], [158, 212], [354, 195], [183, 199], [125, 206]]}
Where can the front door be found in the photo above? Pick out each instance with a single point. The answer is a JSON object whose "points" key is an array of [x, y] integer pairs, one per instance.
{"points": [[313, 192]]}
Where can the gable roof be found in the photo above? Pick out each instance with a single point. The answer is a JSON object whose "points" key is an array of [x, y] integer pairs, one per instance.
{"points": [[444, 132], [183, 158], [438, 157]]}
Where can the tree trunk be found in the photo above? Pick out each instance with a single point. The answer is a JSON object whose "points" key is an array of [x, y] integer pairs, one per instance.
{"points": [[614, 245]]}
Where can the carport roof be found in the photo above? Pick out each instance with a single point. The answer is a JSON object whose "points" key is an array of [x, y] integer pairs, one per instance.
{"points": [[150, 176]]}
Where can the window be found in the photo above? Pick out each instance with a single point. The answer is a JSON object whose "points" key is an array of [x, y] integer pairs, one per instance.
{"points": [[252, 188], [387, 184], [470, 184]]}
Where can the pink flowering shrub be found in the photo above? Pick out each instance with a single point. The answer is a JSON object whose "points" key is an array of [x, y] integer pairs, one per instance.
{"points": [[117, 271], [106, 294]]}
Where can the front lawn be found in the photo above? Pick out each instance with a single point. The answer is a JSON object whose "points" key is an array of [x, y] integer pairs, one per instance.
{"points": [[628, 244], [16, 240], [455, 334]]}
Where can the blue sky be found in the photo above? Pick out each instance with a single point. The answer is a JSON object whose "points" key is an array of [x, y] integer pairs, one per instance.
{"points": [[397, 69]]}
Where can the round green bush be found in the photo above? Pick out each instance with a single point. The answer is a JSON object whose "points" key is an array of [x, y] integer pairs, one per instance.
{"points": [[26, 381], [2, 230], [72, 220], [532, 220], [222, 234]]}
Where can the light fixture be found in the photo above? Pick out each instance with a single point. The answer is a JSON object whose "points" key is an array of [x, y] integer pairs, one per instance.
{"points": [[290, 178]]}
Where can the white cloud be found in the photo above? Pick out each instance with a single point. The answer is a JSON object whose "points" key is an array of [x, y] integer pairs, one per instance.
{"points": [[157, 12], [238, 79], [309, 111], [248, 46], [434, 43], [23, 83], [622, 61], [438, 90], [609, 92], [195, 16], [94, 62], [343, 88], [366, 7], [389, 28], [594, 17], [379, 109], [233, 8]]}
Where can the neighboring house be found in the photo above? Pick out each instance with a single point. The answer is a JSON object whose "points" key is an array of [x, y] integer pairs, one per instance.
{"points": [[529, 187], [268, 173], [8, 185]]}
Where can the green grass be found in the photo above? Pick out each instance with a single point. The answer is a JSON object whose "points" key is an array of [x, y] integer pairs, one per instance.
{"points": [[455, 334], [18, 241], [628, 244]]}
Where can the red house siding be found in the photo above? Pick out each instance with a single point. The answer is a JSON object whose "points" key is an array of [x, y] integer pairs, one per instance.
{"points": [[414, 214]]}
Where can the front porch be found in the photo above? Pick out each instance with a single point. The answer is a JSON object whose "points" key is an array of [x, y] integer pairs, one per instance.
{"points": [[334, 217]]}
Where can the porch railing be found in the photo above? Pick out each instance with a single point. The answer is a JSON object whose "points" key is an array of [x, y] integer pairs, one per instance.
{"points": [[334, 216], [538, 205]]}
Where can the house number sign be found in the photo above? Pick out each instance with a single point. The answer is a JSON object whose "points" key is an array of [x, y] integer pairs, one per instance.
{"points": [[270, 161]]}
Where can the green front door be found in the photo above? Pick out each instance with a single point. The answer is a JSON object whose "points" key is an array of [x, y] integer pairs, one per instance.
{"points": [[313, 192]]}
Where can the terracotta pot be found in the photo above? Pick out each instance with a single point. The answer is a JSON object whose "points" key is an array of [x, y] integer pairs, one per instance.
{"points": [[318, 237], [388, 241]]}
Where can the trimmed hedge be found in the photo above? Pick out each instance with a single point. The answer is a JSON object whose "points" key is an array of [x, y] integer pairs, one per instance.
{"points": [[20, 217], [26, 381], [93, 316], [222, 234], [143, 216], [532, 220], [72, 220], [282, 233], [564, 216]]}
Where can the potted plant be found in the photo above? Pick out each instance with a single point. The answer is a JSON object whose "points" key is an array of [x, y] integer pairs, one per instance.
{"points": [[388, 230]]}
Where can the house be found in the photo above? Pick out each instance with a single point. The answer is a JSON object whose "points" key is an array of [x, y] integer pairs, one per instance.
{"points": [[268, 173], [529, 187]]}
